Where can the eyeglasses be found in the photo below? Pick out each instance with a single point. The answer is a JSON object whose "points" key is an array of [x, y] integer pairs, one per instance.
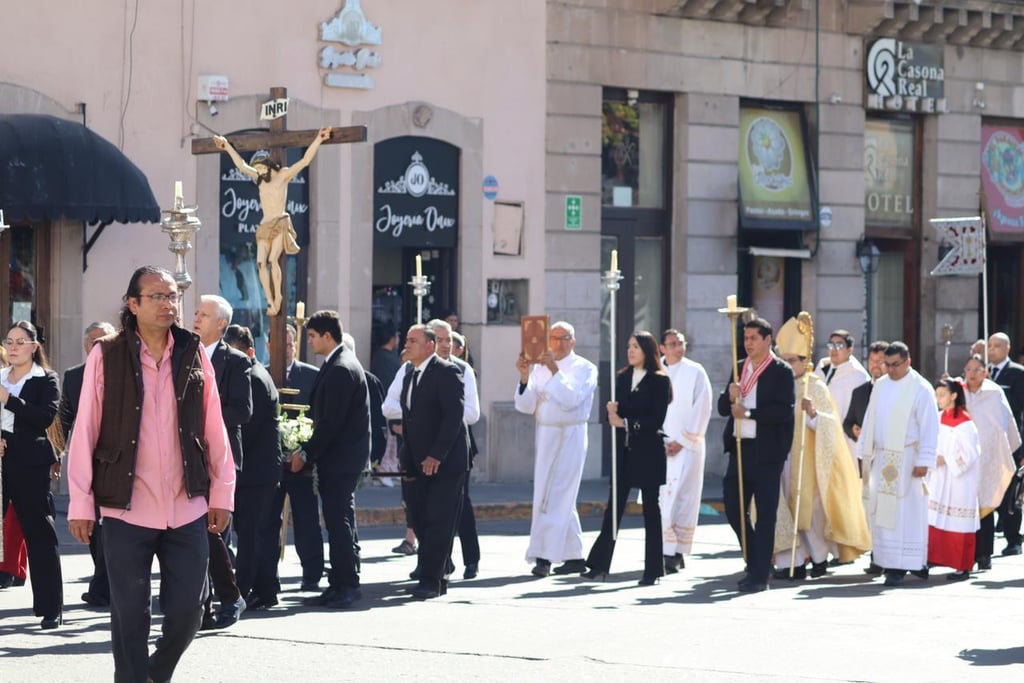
{"points": [[973, 371], [173, 297], [560, 339], [892, 365], [17, 342], [838, 346]]}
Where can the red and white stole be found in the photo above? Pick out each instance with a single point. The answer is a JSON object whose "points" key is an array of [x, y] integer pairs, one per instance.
{"points": [[749, 379]]}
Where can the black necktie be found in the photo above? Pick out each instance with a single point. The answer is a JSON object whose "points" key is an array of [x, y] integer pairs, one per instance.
{"points": [[828, 375], [413, 385], [993, 371]]}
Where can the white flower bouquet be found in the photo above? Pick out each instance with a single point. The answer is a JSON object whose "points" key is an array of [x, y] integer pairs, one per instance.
{"points": [[295, 431]]}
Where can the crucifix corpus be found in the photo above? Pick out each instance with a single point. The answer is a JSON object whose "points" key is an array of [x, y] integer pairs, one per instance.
{"points": [[275, 235]]}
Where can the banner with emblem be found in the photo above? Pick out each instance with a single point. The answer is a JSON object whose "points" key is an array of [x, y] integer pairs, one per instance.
{"points": [[1002, 177], [966, 237], [416, 193]]}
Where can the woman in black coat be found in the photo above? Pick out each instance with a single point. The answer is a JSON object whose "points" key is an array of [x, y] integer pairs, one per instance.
{"points": [[29, 396], [644, 392]]}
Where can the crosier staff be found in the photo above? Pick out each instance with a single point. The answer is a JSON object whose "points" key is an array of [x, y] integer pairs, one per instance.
{"points": [[735, 312]]}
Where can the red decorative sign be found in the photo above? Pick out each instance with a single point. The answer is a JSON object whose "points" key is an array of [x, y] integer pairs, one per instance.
{"points": [[1002, 176]]}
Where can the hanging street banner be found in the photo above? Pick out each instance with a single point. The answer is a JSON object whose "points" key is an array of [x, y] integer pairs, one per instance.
{"points": [[1002, 177], [967, 237]]}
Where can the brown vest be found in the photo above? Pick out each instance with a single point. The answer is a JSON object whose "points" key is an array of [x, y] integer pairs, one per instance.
{"points": [[113, 465]]}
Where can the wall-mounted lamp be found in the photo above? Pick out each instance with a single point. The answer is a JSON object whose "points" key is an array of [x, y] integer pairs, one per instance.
{"points": [[868, 256], [213, 109], [632, 96], [835, 98], [979, 90]]}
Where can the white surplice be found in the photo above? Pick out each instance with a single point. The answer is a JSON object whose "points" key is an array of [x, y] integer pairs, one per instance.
{"points": [[953, 486], [992, 415], [846, 377], [560, 404], [901, 431], [686, 423]]}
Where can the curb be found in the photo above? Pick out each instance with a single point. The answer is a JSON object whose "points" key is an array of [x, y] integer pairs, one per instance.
{"points": [[395, 516]]}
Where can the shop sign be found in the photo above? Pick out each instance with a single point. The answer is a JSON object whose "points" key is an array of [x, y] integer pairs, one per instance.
{"points": [[905, 77], [775, 187], [415, 198]]}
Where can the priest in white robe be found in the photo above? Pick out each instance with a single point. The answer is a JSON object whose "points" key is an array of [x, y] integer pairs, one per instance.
{"points": [[686, 423], [897, 447], [842, 373], [953, 485], [988, 407], [558, 392]]}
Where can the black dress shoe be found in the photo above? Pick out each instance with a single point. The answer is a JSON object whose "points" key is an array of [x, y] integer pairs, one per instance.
{"points": [[322, 599], [594, 575], [472, 570], [648, 580], [541, 569], [228, 615], [958, 576], [415, 574], [255, 603], [344, 598], [782, 573], [309, 587], [1011, 549], [50, 623], [985, 562], [818, 569], [873, 570], [209, 622], [428, 592], [749, 585], [6, 580], [95, 600], [570, 567], [894, 578], [921, 573], [672, 564]]}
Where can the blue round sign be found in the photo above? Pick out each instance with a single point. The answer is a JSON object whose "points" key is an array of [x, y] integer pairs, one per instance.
{"points": [[490, 187]]}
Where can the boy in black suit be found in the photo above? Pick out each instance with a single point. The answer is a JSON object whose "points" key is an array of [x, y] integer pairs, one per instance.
{"points": [[760, 411]]}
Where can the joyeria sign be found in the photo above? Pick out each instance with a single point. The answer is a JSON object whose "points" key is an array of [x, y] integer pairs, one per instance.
{"points": [[905, 77]]}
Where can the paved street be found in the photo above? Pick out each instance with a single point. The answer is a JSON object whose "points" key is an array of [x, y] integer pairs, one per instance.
{"points": [[506, 625]]}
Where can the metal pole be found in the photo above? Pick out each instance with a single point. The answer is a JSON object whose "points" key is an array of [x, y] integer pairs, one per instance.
{"points": [[420, 288], [610, 281], [734, 314]]}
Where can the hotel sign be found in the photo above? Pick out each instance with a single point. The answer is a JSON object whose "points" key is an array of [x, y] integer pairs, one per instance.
{"points": [[905, 77]]}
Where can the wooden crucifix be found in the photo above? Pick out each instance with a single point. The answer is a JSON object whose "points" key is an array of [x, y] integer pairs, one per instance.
{"points": [[275, 236]]}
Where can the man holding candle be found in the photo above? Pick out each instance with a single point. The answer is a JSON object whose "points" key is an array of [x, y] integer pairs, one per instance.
{"points": [[558, 391], [760, 408]]}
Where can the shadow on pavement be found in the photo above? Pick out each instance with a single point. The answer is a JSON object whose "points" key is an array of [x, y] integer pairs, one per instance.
{"points": [[979, 657]]}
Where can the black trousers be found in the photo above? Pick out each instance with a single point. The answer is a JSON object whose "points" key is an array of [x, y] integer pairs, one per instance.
{"points": [[222, 572], [760, 481], [985, 537], [435, 505], [337, 496], [600, 557], [28, 488], [183, 554], [99, 585], [309, 537], [468, 538], [256, 560], [1009, 515]]}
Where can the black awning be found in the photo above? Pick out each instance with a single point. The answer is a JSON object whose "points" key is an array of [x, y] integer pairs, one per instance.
{"points": [[51, 169]]}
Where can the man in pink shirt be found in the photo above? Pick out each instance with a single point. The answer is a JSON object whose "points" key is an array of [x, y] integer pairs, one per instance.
{"points": [[152, 453]]}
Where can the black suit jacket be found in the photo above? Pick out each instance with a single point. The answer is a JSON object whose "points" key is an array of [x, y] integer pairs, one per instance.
{"points": [[858, 408], [378, 424], [71, 390], [1011, 379], [774, 414], [34, 410], [301, 377], [261, 441], [340, 408], [434, 425], [641, 448], [232, 369]]}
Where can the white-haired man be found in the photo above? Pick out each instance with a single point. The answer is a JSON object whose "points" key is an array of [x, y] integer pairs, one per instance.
{"points": [[558, 391]]}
